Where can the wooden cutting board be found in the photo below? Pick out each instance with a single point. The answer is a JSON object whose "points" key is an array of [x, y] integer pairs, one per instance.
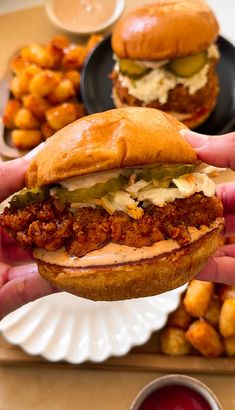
{"points": [[143, 358]]}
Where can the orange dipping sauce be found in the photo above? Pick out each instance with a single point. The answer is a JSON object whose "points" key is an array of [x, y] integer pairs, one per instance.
{"points": [[83, 15], [175, 397]]}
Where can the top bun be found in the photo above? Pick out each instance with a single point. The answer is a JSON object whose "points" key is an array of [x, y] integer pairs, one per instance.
{"points": [[165, 30], [118, 138]]}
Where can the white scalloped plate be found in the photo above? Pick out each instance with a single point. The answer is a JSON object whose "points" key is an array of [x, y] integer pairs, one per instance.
{"points": [[65, 327]]}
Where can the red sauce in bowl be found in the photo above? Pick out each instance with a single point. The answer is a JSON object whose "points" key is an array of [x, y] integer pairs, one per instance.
{"points": [[175, 397]]}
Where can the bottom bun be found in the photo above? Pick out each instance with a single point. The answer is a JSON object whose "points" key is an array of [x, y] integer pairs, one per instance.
{"points": [[192, 121], [147, 277]]}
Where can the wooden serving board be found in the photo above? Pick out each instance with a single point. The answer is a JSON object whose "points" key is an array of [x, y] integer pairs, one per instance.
{"points": [[143, 358]]}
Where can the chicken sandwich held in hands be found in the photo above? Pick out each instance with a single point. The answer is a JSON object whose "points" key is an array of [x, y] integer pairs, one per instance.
{"points": [[117, 206]]}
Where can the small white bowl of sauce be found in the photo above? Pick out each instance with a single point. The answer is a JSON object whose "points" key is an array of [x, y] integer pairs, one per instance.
{"points": [[176, 391], [84, 17]]}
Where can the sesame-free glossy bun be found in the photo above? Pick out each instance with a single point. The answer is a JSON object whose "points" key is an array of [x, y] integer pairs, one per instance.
{"points": [[142, 278], [165, 30], [118, 138]]}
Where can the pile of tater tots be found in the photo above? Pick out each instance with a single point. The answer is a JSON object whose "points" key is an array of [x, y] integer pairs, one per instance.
{"points": [[204, 322], [45, 90]]}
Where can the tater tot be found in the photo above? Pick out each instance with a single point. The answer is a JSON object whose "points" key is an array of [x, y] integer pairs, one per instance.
{"points": [[57, 48], [25, 119], [179, 318], [92, 42], [197, 298], [226, 292], [212, 314], [44, 83], [37, 105], [46, 130], [74, 58], [229, 344], [18, 65], [26, 139], [174, 342], [74, 77], [11, 109], [39, 55], [19, 86], [61, 115], [62, 92], [227, 318], [205, 338]]}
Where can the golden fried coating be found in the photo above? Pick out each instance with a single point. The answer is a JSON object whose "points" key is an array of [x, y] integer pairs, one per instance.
{"points": [[24, 119], [227, 318], [44, 83], [198, 297], [174, 342], [62, 92], [180, 317], [11, 110], [26, 139], [37, 105], [212, 314], [39, 55], [74, 58], [18, 65], [205, 338], [74, 77], [61, 115]]}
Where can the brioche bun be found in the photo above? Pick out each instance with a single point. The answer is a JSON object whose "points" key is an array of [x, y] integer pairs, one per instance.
{"points": [[105, 141], [147, 277], [165, 30]]}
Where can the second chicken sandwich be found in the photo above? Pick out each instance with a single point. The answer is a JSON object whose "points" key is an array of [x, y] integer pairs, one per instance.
{"points": [[166, 58]]}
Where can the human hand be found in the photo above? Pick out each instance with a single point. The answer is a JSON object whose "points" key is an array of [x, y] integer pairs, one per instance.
{"points": [[20, 281], [219, 151]]}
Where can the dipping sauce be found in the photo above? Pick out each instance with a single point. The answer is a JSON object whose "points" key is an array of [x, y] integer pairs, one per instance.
{"points": [[83, 15], [175, 397]]}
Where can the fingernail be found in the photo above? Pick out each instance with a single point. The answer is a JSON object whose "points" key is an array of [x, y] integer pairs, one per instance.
{"points": [[34, 152], [195, 139]]}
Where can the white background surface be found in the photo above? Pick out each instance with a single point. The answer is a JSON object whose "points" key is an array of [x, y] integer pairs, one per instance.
{"points": [[224, 10]]}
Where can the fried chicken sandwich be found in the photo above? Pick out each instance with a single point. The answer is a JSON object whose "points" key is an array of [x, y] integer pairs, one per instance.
{"points": [[117, 206], [166, 58]]}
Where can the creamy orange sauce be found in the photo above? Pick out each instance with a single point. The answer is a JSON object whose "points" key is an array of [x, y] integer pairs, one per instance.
{"points": [[113, 253], [84, 15], [110, 254]]}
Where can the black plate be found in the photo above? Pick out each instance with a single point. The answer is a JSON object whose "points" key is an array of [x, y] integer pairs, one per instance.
{"points": [[96, 87]]}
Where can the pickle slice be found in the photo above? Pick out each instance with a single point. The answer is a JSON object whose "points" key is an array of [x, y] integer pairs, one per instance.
{"points": [[132, 69], [87, 194], [165, 172], [188, 66], [29, 196]]}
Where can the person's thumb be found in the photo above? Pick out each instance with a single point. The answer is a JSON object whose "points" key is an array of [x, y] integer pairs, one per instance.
{"points": [[216, 150], [12, 173]]}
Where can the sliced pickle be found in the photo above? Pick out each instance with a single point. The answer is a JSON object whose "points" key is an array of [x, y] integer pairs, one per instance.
{"points": [[165, 172], [132, 69], [88, 194], [188, 66], [29, 196]]}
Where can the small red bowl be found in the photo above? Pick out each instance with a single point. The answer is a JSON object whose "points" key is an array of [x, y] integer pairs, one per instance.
{"points": [[177, 380]]}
